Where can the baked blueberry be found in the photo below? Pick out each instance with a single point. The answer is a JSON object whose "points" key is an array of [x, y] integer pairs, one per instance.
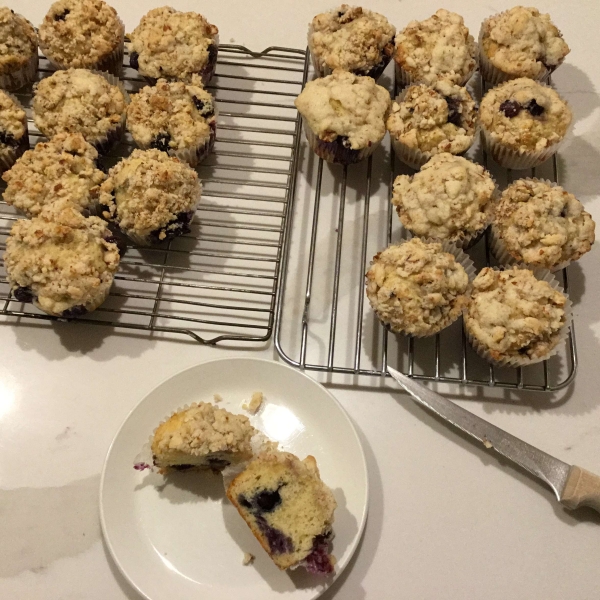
{"points": [[8, 139], [161, 142], [453, 110], [134, 58], [62, 16], [75, 311], [279, 543], [178, 226], [535, 110], [510, 108], [23, 294]]}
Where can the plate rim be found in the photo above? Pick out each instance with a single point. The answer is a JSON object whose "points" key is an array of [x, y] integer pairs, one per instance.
{"points": [[365, 511]]}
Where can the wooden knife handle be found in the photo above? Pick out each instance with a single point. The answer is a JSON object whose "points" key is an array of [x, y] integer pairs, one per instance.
{"points": [[582, 489]]}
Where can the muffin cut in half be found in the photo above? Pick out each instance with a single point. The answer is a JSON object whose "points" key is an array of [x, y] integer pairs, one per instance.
{"points": [[288, 508], [202, 436]]}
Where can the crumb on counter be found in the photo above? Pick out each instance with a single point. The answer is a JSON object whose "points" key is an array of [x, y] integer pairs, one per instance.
{"points": [[487, 443], [218, 398], [248, 559], [255, 403]]}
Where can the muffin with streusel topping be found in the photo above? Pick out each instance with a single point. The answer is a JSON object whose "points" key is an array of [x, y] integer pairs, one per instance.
{"points": [[18, 50], [516, 318], [174, 45], [83, 34], [440, 47], [419, 288], [353, 39], [61, 261], [344, 116], [450, 199], [14, 137], [202, 436], [523, 123], [520, 42], [175, 117], [538, 223], [64, 168], [81, 101], [427, 120], [151, 196]]}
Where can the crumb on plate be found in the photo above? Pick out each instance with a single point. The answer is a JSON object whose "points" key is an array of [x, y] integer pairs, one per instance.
{"points": [[255, 403], [248, 559]]}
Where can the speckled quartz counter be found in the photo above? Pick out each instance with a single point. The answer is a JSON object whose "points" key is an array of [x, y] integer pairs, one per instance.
{"points": [[447, 520]]}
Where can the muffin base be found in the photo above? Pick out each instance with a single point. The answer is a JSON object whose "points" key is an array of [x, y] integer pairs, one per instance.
{"points": [[27, 74], [467, 264], [335, 152], [560, 336]]}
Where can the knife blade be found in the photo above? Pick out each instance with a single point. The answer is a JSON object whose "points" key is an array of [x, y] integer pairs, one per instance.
{"points": [[572, 485]]}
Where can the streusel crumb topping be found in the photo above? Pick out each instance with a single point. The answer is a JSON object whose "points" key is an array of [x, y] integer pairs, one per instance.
{"points": [[147, 190], [62, 168], [523, 42], [437, 118], [450, 196], [512, 313], [417, 288], [62, 256], [78, 101], [13, 119], [81, 33], [18, 41], [525, 115], [203, 429], [350, 38], [436, 48], [172, 44], [343, 104], [183, 111], [541, 224]]}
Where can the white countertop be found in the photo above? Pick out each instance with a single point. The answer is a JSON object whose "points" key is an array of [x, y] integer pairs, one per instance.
{"points": [[447, 520]]}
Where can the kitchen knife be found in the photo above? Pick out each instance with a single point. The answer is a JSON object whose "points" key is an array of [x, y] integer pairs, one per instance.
{"points": [[573, 486]]}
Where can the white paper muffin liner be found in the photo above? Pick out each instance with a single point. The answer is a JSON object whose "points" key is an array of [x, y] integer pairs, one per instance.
{"points": [[112, 63], [467, 264], [10, 155], [523, 361], [148, 240], [404, 78], [336, 152], [493, 75], [26, 74], [500, 251]]}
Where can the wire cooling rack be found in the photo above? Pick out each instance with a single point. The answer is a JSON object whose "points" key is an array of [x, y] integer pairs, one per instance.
{"points": [[342, 218], [219, 282]]}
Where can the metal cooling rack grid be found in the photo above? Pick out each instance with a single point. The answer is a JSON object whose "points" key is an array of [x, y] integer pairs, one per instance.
{"points": [[342, 218], [218, 283]]}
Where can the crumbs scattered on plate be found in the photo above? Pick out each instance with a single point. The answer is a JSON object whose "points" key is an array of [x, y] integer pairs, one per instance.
{"points": [[254, 404], [217, 398]]}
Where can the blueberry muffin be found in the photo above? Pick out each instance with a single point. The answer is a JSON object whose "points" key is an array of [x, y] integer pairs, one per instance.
{"points": [[540, 224], [440, 47], [288, 508], [63, 168], [174, 117], [18, 50], [14, 137], [427, 120], [151, 196], [514, 318], [417, 288], [523, 123], [202, 436], [353, 39], [61, 261], [85, 34], [344, 116], [449, 199], [520, 42], [81, 101], [174, 45]]}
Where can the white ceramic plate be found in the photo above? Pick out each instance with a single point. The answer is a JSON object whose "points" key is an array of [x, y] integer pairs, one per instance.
{"points": [[183, 539]]}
